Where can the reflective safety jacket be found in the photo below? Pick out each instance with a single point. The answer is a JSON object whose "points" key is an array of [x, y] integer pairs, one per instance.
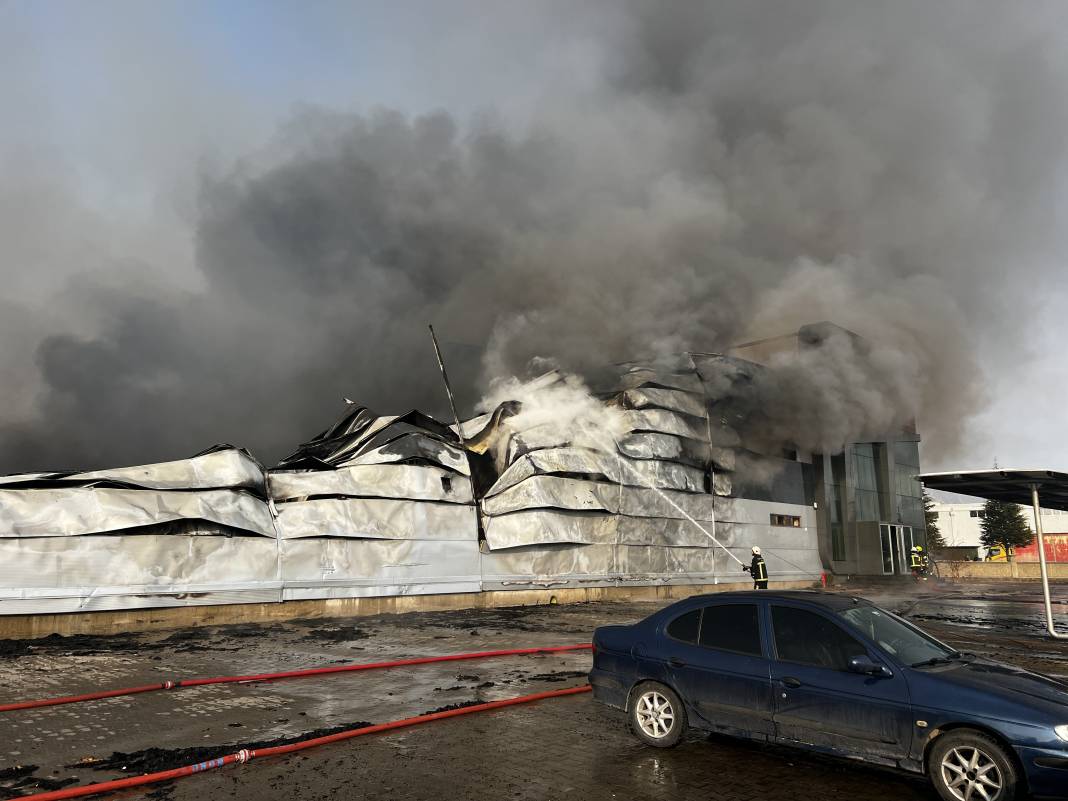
{"points": [[758, 569], [916, 561]]}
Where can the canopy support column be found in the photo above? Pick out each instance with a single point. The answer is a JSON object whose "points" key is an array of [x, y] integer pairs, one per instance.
{"points": [[1042, 565]]}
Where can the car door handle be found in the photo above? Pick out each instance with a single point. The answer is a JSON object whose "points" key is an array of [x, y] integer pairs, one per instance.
{"points": [[790, 681], [676, 662]]}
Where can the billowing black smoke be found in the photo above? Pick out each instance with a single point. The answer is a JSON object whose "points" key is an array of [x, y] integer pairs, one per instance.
{"points": [[728, 170]]}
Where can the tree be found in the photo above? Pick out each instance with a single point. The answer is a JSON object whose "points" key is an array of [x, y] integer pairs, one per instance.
{"points": [[930, 518], [1004, 524]]}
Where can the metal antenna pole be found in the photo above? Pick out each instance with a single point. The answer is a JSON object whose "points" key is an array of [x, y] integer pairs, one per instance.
{"points": [[448, 389]]}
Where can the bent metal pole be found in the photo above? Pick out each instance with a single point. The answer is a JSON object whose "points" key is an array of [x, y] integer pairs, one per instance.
{"points": [[448, 388], [1042, 566]]}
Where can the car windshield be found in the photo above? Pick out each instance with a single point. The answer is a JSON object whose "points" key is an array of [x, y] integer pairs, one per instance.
{"points": [[905, 642]]}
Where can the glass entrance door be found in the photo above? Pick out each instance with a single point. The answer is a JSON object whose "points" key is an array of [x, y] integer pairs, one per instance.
{"points": [[886, 542], [904, 539], [896, 545]]}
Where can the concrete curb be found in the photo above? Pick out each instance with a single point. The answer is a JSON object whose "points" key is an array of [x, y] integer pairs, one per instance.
{"points": [[140, 620]]}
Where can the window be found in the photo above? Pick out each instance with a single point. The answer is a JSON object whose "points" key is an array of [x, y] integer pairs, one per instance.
{"points": [[732, 627], [838, 546], [980, 513], [904, 641], [811, 639], [786, 520], [685, 626], [870, 479]]}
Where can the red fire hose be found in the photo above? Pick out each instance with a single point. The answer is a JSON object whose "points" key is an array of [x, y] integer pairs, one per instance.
{"points": [[288, 674], [245, 755]]}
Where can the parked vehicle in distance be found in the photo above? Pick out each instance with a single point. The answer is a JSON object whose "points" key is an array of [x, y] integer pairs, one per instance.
{"points": [[996, 553], [837, 674]]}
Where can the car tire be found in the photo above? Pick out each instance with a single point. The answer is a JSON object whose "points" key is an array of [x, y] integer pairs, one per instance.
{"points": [[656, 714], [963, 761]]}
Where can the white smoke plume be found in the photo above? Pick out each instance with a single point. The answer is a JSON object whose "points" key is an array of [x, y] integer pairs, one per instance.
{"points": [[555, 409]]}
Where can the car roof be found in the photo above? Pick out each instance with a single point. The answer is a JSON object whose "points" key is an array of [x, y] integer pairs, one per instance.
{"points": [[829, 600]]}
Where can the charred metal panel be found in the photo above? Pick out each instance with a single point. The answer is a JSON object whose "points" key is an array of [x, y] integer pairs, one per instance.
{"points": [[646, 376], [614, 468], [74, 511], [346, 568], [651, 561], [533, 439], [53, 574], [386, 505], [376, 518], [414, 448], [425, 482], [766, 478], [664, 422], [551, 565], [550, 526], [670, 399], [222, 466], [360, 433], [667, 532], [558, 492]]}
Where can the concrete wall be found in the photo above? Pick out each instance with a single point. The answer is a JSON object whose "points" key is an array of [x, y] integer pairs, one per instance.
{"points": [[1024, 571], [127, 620]]}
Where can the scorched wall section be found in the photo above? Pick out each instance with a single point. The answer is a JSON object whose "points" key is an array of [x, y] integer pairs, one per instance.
{"points": [[394, 505]]}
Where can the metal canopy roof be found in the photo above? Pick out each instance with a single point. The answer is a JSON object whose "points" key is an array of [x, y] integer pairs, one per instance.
{"points": [[1013, 486]]}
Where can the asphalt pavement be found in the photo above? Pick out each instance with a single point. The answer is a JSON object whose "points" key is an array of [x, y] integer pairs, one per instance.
{"points": [[564, 747]]}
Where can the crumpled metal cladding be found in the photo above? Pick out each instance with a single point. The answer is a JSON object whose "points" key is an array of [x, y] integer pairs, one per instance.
{"points": [[383, 505]]}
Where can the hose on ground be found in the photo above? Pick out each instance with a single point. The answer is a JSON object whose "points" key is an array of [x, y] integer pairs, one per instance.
{"points": [[286, 674], [246, 755]]}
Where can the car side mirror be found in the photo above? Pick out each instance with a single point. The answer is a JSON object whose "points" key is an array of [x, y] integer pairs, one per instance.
{"points": [[865, 666]]}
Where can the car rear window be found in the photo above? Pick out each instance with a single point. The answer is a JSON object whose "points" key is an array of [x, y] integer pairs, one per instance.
{"points": [[811, 639], [731, 627], [685, 626]]}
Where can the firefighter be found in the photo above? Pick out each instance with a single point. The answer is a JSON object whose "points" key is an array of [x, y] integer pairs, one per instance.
{"points": [[758, 570], [916, 561]]}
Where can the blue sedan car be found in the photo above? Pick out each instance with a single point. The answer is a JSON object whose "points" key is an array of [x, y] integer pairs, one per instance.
{"points": [[837, 674]]}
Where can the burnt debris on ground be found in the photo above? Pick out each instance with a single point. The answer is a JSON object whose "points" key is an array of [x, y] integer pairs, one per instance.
{"points": [[343, 634], [152, 760], [19, 781], [451, 707]]}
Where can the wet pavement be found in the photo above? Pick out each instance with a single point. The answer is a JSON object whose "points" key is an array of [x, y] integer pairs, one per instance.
{"points": [[565, 747]]}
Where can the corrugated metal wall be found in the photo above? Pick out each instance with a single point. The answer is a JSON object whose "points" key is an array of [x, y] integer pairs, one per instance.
{"points": [[379, 506]]}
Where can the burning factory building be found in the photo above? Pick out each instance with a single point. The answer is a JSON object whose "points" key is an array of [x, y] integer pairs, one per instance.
{"points": [[661, 473]]}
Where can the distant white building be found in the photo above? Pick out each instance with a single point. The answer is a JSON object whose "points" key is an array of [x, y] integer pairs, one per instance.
{"points": [[960, 518]]}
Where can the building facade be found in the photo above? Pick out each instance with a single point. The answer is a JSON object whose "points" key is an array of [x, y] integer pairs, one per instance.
{"points": [[867, 499], [960, 520], [662, 477]]}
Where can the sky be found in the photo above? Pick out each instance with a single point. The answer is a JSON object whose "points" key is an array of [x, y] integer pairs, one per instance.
{"points": [[145, 145]]}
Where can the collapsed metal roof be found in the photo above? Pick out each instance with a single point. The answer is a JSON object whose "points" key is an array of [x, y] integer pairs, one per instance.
{"points": [[395, 504]]}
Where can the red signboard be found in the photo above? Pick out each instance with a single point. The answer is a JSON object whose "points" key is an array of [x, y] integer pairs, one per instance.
{"points": [[1056, 549]]}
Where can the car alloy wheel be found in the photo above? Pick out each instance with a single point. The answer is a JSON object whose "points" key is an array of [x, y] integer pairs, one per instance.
{"points": [[655, 715], [970, 774]]}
